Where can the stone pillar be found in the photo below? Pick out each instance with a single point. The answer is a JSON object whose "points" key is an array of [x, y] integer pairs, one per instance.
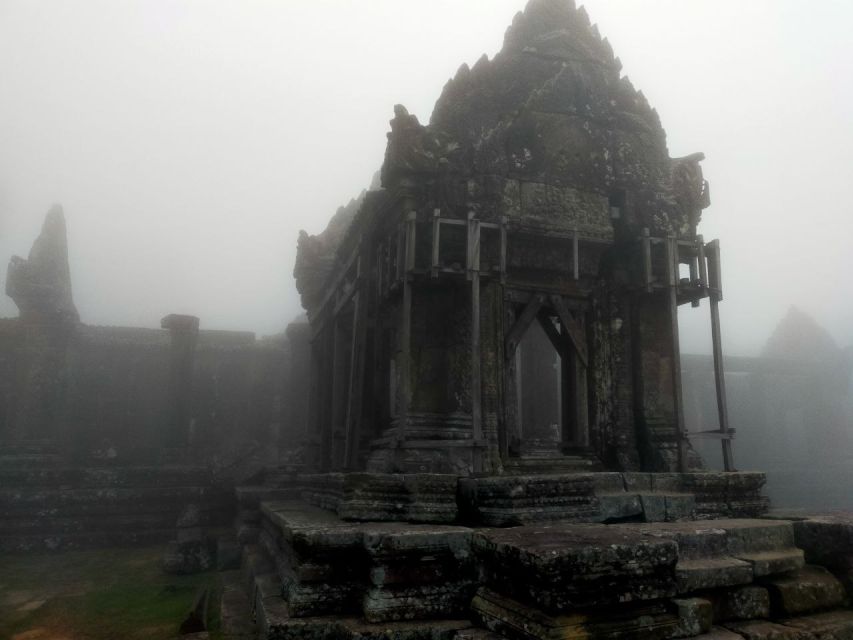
{"points": [[184, 335]]}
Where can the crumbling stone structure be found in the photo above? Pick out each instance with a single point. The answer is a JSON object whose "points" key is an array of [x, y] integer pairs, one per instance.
{"points": [[107, 433], [508, 299]]}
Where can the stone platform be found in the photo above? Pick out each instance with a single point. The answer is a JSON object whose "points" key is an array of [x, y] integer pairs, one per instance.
{"points": [[311, 573], [514, 500]]}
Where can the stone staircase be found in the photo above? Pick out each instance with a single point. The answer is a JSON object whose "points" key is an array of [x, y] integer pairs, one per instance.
{"points": [[309, 573]]}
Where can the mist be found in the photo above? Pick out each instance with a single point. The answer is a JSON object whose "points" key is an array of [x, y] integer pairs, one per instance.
{"points": [[190, 141]]}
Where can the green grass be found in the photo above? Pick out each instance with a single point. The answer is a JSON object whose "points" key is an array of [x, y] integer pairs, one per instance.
{"points": [[94, 595]]}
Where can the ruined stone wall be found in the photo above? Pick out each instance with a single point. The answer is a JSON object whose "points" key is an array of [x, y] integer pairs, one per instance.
{"points": [[114, 393]]}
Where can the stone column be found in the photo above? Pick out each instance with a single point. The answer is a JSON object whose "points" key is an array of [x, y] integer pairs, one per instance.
{"points": [[183, 331]]}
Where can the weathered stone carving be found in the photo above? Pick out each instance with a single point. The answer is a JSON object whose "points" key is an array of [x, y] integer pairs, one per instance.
{"points": [[41, 284]]}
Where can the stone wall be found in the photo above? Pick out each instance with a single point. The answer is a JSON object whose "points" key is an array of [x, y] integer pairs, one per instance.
{"points": [[794, 420], [113, 394]]}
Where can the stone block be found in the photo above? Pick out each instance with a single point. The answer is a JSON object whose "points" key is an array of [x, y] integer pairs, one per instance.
{"points": [[711, 573], [418, 601], [695, 616], [746, 603], [563, 567], [808, 590]]}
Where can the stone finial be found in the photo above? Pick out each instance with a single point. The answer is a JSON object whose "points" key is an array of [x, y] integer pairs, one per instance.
{"points": [[41, 284]]}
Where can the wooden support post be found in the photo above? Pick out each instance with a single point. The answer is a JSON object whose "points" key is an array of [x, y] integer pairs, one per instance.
{"points": [[703, 265], [476, 374], [513, 338], [677, 399], [716, 340], [694, 274]]}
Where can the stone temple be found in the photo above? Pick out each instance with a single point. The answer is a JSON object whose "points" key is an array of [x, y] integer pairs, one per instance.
{"points": [[507, 300], [481, 426]]}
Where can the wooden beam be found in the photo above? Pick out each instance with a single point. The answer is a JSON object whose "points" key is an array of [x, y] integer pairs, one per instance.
{"points": [[521, 324], [717, 346], [573, 328], [558, 340], [677, 399]]}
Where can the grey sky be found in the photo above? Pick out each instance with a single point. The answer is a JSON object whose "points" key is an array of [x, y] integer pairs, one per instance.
{"points": [[190, 141]]}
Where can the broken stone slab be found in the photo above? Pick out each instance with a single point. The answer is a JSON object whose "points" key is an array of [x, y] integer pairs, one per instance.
{"points": [[563, 567], [516, 620], [808, 590]]}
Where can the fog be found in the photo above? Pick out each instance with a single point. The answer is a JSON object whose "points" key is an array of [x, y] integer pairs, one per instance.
{"points": [[190, 141]]}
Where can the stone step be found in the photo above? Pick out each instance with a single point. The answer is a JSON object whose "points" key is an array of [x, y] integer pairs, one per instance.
{"points": [[521, 621], [832, 625], [711, 573], [274, 622], [770, 563], [805, 591], [564, 567], [726, 553]]}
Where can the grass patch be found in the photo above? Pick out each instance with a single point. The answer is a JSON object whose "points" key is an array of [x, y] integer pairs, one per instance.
{"points": [[94, 595]]}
